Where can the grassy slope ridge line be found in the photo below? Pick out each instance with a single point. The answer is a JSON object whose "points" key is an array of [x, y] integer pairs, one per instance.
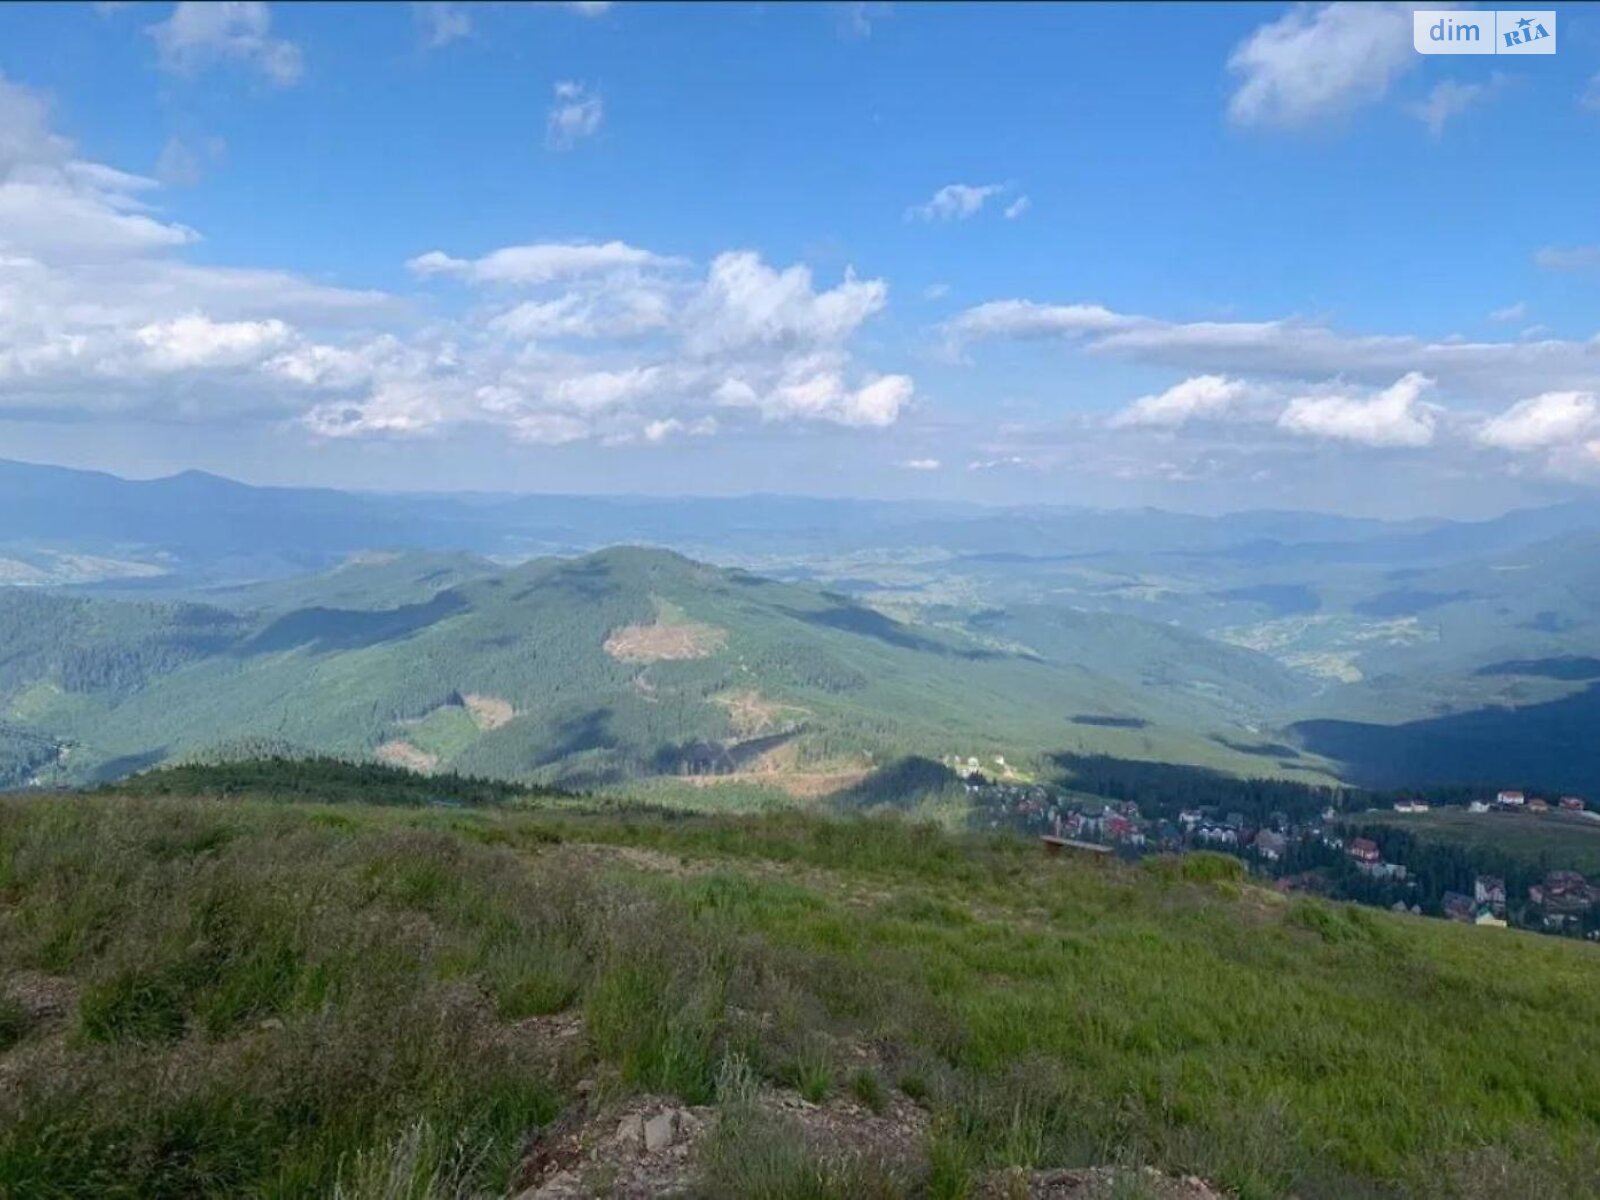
{"points": [[325, 780], [208, 998]]}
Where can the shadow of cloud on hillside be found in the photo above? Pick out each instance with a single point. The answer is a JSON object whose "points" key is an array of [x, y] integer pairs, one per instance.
{"points": [[866, 622], [702, 756], [1273, 750], [1573, 668], [1107, 721], [1550, 621], [114, 769], [588, 580], [1280, 599], [900, 784], [1553, 744], [1404, 602], [324, 630], [575, 735]]}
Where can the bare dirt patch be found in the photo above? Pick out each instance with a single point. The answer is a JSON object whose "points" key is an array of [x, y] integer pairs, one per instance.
{"points": [[802, 785], [488, 712], [1096, 1183], [750, 713], [659, 642], [649, 1146], [779, 768], [43, 997], [607, 1152], [403, 754]]}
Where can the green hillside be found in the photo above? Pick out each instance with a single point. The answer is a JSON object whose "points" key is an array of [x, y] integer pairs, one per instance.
{"points": [[1189, 670], [586, 672], [223, 999], [1539, 841]]}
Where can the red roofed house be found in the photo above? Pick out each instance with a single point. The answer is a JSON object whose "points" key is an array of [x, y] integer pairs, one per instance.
{"points": [[1364, 850]]}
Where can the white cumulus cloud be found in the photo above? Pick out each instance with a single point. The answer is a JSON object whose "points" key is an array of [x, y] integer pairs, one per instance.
{"points": [[440, 22], [1395, 416], [1197, 398], [746, 303], [538, 262], [575, 114], [185, 343], [1450, 98], [599, 341], [199, 35], [1542, 422], [1320, 61], [955, 202]]}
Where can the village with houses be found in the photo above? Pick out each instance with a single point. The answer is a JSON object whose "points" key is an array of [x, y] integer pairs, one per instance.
{"points": [[1346, 854]]}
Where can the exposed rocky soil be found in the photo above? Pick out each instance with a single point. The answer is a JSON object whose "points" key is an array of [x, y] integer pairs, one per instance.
{"points": [[1096, 1183], [650, 1147], [647, 1146], [400, 753], [42, 997], [664, 642]]}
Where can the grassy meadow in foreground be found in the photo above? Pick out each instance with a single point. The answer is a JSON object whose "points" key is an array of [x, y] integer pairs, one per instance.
{"points": [[285, 999]]}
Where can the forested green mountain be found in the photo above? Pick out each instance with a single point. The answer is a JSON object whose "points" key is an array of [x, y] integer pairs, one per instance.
{"points": [[1412, 652], [585, 671]]}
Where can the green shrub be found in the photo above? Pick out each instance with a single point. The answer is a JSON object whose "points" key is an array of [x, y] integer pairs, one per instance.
{"points": [[531, 976], [657, 1011], [1201, 866], [14, 1022], [755, 1155], [1337, 923], [952, 1165], [813, 1077], [914, 1085], [132, 1006], [868, 1090]]}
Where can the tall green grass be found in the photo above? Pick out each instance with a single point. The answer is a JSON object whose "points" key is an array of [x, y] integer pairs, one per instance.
{"points": [[282, 1000]]}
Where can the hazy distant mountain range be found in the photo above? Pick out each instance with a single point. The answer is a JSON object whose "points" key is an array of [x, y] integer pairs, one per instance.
{"points": [[180, 615], [203, 528]]}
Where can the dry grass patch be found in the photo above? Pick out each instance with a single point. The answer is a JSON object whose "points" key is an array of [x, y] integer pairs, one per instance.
{"points": [[400, 753], [802, 785], [750, 713], [781, 768], [658, 642], [488, 712]]}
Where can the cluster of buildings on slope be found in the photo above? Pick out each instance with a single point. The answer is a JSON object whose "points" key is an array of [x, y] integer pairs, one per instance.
{"points": [[1561, 903], [1035, 808], [1367, 857], [1513, 802], [1558, 904], [1486, 906], [1519, 802]]}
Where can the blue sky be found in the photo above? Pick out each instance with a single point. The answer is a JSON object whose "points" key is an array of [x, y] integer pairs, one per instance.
{"points": [[1199, 256]]}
